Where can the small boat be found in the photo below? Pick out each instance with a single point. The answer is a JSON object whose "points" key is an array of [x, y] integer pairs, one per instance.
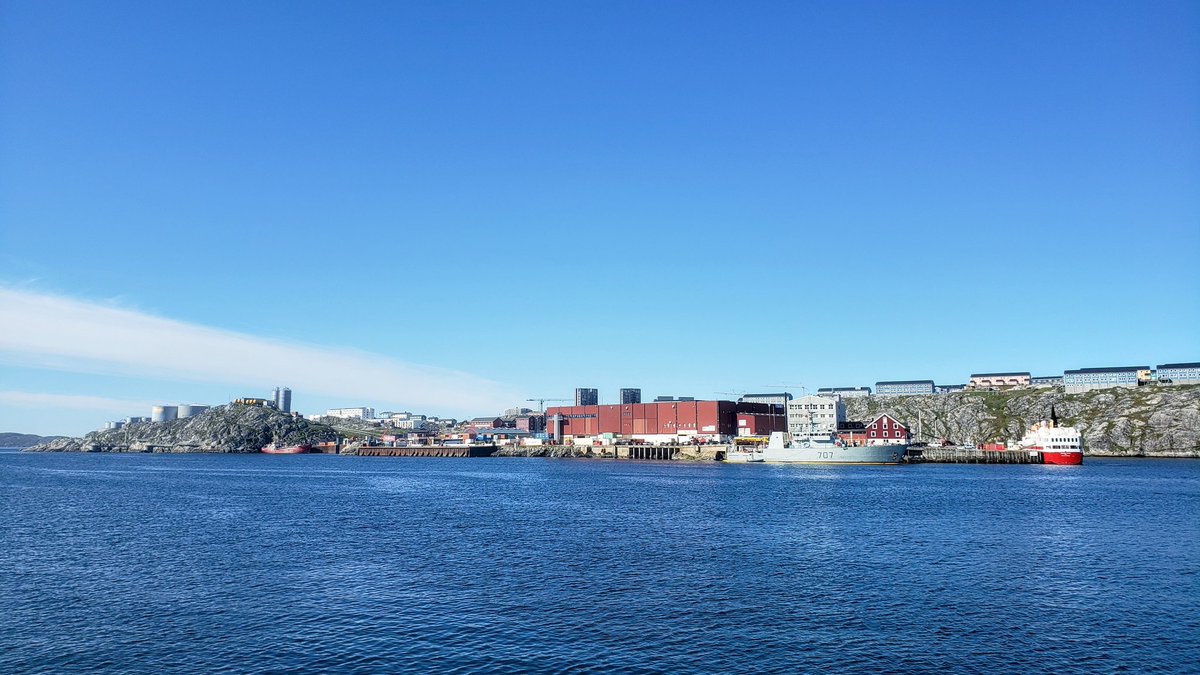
{"points": [[743, 454], [278, 449]]}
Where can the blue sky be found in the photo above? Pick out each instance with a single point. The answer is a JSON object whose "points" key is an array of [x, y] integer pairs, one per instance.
{"points": [[524, 198]]}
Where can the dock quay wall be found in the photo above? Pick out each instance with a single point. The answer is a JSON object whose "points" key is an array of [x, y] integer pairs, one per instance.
{"points": [[426, 451], [972, 456], [686, 453]]}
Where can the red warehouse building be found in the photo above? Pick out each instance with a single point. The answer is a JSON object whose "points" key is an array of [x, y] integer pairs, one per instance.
{"points": [[760, 419], [666, 418]]}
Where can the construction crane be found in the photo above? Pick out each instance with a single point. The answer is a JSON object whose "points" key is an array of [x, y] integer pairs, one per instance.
{"points": [[542, 402], [785, 387]]}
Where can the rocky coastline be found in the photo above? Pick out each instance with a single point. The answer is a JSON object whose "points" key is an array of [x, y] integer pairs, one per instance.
{"points": [[231, 428], [1119, 422], [1152, 421]]}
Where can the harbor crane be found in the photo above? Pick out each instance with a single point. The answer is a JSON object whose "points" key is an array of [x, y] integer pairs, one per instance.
{"points": [[784, 387], [542, 402]]}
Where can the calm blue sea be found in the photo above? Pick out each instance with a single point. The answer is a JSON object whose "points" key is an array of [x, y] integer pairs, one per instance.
{"points": [[264, 564]]}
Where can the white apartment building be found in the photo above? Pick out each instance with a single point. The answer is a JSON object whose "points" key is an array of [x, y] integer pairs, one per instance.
{"points": [[351, 413], [815, 414]]}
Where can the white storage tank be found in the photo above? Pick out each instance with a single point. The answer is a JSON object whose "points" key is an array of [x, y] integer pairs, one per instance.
{"points": [[190, 410], [113, 425], [164, 413]]}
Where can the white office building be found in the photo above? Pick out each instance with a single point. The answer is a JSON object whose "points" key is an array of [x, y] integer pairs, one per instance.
{"points": [[815, 414]]}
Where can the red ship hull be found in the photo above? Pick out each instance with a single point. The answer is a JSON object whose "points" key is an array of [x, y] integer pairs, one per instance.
{"points": [[287, 450], [1062, 458]]}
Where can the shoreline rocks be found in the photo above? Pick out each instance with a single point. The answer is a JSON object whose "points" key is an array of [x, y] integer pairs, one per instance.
{"points": [[232, 428], [1151, 421]]}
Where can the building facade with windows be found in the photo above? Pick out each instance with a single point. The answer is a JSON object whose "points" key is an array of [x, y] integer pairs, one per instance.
{"points": [[884, 430], [780, 399], [587, 397], [351, 413], [631, 396], [904, 388], [1179, 373], [1086, 379], [844, 392], [1046, 381], [478, 423], [815, 414], [988, 381]]}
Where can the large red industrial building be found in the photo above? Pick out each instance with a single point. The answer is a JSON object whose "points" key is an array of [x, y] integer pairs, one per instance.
{"points": [[661, 419]]}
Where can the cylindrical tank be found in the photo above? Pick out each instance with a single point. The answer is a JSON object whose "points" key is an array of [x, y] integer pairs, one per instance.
{"points": [[113, 425], [285, 400], [164, 413], [190, 410]]}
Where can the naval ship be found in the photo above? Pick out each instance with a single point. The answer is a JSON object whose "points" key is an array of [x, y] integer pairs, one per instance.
{"points": [[818, 448]]}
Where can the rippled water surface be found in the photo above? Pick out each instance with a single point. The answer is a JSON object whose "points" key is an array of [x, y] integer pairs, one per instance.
{"points": [[259, 563]]}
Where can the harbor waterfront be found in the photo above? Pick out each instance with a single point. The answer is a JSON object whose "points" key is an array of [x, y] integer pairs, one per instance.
{"points": [[142, 563]]}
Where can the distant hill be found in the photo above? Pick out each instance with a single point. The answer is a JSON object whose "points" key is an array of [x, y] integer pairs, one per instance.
{"points": [[10, 439]]}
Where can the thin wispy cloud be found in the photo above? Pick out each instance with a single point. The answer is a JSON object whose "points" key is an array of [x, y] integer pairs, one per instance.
{"points": [[61, 333], [27, 399]]}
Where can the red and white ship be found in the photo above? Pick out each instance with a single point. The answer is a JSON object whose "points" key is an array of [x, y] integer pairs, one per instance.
{"points": [[276, 449], [1057, 445]]}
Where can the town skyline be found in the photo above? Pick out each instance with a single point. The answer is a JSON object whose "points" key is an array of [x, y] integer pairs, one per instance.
{"points": [[462, 207]]}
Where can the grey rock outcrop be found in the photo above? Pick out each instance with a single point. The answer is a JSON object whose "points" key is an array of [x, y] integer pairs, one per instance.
{"points": [[1157, 421], [225, 428]]}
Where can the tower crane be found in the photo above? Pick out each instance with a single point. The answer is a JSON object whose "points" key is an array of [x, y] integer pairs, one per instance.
{"points": [[785, 387], [542, 402]]}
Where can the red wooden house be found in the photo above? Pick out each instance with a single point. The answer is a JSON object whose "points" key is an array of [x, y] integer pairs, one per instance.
{"points": [[886, 430]]}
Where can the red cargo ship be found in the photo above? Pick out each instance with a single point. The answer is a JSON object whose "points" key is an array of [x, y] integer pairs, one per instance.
{"points": [[275, 449], [1057, 445]]}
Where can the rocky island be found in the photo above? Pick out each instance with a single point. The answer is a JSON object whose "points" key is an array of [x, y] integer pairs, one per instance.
{"points": [[224, 428]]}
